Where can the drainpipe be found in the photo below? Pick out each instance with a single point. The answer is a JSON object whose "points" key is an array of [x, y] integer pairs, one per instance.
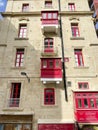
{"points": [[62, 47]]}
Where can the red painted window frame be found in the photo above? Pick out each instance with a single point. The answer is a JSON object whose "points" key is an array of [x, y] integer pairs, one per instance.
{"points": [[48, 3], [15, 94], [49, 97], [19, 57], [22, 30], [78, 57], [49, 47], [25, 7], [71, 6], [85, 99], [83, 85], [47, 15], [51, 60], [75, 30]]}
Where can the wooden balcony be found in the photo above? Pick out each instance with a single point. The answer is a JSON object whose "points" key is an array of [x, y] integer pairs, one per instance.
{"points": [[51, 75]]}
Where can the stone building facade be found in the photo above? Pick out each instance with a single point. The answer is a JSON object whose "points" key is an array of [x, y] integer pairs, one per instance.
{"points": [[48, 65]]}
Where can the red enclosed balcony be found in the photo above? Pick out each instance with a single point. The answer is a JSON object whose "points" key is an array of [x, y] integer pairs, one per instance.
{"points": [[50, 21], [51, 70]]}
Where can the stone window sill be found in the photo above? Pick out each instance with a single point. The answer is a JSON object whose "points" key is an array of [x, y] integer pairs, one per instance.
{"points": [[17, 38], [76, 38]]}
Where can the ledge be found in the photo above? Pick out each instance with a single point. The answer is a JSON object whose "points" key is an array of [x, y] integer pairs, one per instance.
{"points": [[95, 44], [17, 38], [17, 67], [39, 13], [77, 38], [3, 45], [12, 14], [81, 67], [13, 109]]}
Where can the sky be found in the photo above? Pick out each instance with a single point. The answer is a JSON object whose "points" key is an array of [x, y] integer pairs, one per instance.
{"points": [[3, 5]]}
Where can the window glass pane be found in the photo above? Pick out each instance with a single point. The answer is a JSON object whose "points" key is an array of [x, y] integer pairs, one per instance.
{"points": [[51, 64], [44, 15], [79, 103], [85, 85], [54, 15], [49, 15], [97, 102], [92, 102], [44, 64], [85, 103], [57, 63], [49, 90], [81, 61], [80, 85], [18, 127], [1, 126], [26, 127]]}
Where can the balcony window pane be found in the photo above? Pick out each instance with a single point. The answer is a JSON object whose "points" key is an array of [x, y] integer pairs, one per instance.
{"points": [[85, 103], [79, 103], [92, 102]]}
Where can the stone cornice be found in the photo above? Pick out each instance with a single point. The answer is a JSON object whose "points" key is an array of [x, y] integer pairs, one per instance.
{"points": [[13, 14]]}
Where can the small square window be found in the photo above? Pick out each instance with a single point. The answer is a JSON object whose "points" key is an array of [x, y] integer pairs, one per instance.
{"points": [[83, 85], [25, 7], [48, 3]]}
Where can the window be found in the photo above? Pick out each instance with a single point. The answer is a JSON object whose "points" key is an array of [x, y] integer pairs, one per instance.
{"points": [[19, 61], [1, 126], [78, 57], [87, 100], [51, 63], [48, 3], [14, 126], [71, 7], [49, 96], [22, 30], [48, 44], [83, 85], [50, 15], [75, 30], [25, 7], [15, 95]]}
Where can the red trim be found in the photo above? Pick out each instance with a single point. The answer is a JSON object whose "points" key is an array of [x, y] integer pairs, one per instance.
{"points": [[55, 126]]}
